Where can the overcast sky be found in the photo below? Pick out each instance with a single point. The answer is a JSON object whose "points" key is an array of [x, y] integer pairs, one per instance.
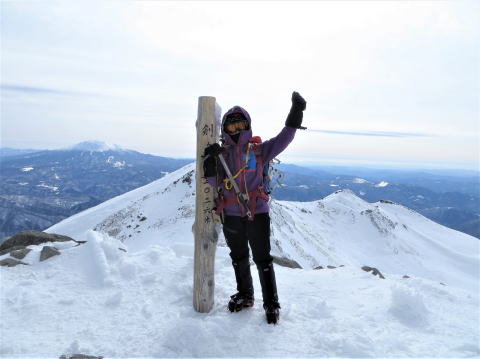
{"points": [[394, 82]]}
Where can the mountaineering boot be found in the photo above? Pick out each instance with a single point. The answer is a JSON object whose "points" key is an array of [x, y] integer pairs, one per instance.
{"points": [[272, 312], [269, 291], [239, 301], [244, 298]]}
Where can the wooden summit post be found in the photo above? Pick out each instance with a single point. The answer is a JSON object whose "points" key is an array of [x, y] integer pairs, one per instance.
{"points": [[204, 228]]}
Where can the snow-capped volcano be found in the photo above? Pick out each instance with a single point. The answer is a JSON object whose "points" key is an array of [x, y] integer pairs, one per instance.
{"points": [[96, 146], [127, 292]]}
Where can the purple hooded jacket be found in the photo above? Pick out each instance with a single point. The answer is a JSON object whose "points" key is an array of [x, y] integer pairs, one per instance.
{"points": [[235, 158]]}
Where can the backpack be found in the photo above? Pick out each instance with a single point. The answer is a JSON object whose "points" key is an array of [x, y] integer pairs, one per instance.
{"points": [[269, 171]]}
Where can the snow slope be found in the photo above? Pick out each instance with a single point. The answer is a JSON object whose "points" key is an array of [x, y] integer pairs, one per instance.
{"points": [[340, 229], [127, 292], [344, 229]]}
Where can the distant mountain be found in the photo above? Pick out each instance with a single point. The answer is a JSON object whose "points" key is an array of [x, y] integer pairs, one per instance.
{"points": [[459, 210], [41, 188], [7, 151], [440, 180]]}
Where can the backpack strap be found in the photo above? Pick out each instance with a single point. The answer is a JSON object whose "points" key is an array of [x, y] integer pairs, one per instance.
{"points": [[226, 201]]}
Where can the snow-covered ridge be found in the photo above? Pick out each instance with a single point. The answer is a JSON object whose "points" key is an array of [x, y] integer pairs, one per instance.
{"points": [[341, 229]]}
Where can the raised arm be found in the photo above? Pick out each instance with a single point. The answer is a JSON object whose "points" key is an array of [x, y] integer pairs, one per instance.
{"points": [[276, 145]]}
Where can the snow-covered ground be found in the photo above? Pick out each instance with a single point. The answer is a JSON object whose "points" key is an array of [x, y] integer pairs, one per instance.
{"points": [[127, 292]]}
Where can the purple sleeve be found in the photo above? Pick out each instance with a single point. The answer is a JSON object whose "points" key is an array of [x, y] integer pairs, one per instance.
{"points": [[276, 145], [212, 181]]}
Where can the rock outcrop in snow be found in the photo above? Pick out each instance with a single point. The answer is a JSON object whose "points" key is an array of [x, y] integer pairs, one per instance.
{"points": [[21, 244]]}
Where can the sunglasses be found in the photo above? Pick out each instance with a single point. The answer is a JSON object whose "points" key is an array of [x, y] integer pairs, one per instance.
{"points": [[234, 125]]}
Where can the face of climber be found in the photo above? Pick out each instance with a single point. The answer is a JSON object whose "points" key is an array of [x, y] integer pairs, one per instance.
{"points": [[235, 123]]}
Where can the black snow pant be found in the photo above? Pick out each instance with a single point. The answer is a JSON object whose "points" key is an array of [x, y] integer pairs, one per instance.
{"points": [[239, 233]]}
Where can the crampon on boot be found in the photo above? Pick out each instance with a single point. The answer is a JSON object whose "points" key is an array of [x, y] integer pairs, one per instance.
{"points": [[244, 296], [239, 301], [272, 312]]}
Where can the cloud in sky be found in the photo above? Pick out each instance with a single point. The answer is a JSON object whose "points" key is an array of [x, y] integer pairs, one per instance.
{"points": [[29, 90], [371, 70], [373, 133]]}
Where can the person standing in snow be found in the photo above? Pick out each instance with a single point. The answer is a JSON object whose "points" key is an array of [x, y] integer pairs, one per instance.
{"points": [[246, 156]]}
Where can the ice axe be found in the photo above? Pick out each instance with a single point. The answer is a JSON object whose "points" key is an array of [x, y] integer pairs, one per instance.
{"points": [[242, 197]]}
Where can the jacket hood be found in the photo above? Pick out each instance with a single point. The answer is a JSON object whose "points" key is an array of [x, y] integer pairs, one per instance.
{"points": [[245, 135]]}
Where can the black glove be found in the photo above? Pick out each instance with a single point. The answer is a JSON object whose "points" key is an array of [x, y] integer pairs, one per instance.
{"points": [[213, 150], [295, 117], [210, 162]]}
